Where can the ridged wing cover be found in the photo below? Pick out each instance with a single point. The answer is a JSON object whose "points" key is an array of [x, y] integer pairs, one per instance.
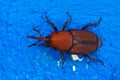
{"points": [[83, 42]]}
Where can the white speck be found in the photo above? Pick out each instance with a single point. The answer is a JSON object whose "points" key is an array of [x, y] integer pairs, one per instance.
{"points": [[58, 63], [74, 68], [87, 66], [80, 59], [76, 57]]}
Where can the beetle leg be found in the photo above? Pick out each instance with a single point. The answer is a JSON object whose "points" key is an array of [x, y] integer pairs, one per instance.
{"points": [[37, 31], [51, 23], [44, 45], [62, 58], [34, 44], [68, 21], [95, 59], [92, 24]]}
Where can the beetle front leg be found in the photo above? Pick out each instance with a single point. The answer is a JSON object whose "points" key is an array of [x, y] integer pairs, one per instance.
{"points": [[51, 23], [37, 31], [95, 59], [92, 24], [62, 58], [67, 22], [44, 45]]}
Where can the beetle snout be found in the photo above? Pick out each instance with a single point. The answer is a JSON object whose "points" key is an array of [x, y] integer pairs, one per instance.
{"points": [[38, 38]]}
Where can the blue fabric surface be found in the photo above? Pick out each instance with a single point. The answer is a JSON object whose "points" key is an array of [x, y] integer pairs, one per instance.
{"points": [[18, 62]]}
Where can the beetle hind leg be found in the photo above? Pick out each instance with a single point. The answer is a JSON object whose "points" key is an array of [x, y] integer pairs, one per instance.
{"points": [[92, 24], [95, 59]]}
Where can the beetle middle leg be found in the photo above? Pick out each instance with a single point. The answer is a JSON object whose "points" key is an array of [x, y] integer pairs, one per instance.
{"points": [[92, 24], [51, 23], [95, 59], [62, 58], [68, 21]]}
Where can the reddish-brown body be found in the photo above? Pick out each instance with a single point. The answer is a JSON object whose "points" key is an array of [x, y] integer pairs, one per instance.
{"points": [[61, 40], [74, 41]]}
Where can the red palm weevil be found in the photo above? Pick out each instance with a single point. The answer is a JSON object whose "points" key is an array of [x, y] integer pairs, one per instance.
{"points": [[71, 41]]}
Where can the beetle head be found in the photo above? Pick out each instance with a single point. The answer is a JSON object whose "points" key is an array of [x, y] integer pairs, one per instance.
{"points": [[39, 39], [46, 39]]}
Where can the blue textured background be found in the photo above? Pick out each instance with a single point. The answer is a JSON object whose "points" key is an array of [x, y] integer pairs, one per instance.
{"points": [[17, 17]]}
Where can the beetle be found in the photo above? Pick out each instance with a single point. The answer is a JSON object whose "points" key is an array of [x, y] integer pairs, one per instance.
{"points": [[71, 41]]}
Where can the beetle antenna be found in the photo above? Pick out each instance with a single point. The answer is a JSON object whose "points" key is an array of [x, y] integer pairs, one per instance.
{"points": [[34, 44]]}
